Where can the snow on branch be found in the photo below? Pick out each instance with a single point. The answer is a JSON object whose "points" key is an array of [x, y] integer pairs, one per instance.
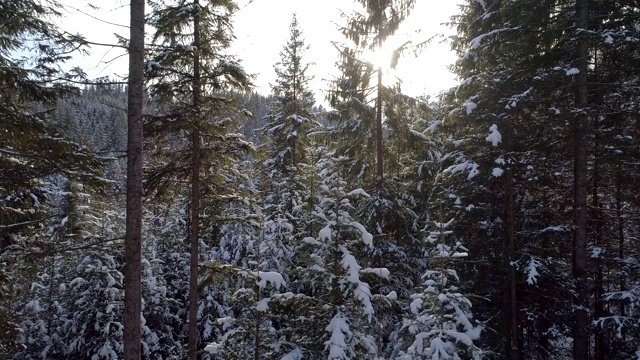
{"points": [[367, 238], [494, 136], [264, 277], [358, 192], [381, 272], [477, 41], [362, 292]]}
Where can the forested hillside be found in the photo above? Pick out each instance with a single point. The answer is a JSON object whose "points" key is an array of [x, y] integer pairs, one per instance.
{"points": [[499, 219]]}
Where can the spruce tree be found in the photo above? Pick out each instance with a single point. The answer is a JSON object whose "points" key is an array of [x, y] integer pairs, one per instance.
{"points": [[32, 150], [44, 315], [508, 96], [367, 30], [192, 79], [612, 32], [94, 328], [519, 103], [133, 236], [71, 290], [332, 281], [351, 119], [291, 117], [166, 250], [289, 126], [364, 142]]}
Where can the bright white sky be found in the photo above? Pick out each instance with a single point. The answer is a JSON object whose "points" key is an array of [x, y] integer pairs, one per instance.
{"points": [[262, 29]]}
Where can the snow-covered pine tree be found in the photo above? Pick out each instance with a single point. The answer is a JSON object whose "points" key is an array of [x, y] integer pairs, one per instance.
{"points": [[438, 204], [339, 241], [352, 116], [291, 117], [520, 76], [31, 147], [44, 315], [613, 80], [415, 151], [284, 214], [165, 277], [242, 221], [80, 221], [229, 318], [361, 138], [515, 149], [161, 309], [288, 127], [248, 327], [441, 325], [94, 327], [335, 317], [438, 322], [327, 306], [393, 210], [192, 82]]}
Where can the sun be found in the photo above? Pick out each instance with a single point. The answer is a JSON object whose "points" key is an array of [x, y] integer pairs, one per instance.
{"points": [[419, 74], [380, 57]]}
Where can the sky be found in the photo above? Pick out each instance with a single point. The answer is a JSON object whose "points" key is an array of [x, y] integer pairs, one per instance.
{"points": [[262, 29]]}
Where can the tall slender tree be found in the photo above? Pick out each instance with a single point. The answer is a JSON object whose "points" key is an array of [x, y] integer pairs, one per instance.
{"points": [[291, 117], [289, 127], [133, 237], [580, 123], [195, 189], [366, 29], [192, 84]]}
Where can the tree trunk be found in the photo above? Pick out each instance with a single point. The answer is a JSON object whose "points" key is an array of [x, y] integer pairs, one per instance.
{"points": [[513, 295], [379, 148], [545, 323], [195, 192], [581, 319], [256, 335], [133, 235], [600, 350], [623, 286]]}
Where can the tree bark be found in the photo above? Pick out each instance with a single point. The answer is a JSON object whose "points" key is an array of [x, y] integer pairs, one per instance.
{"points": [[256, 335], [195, 192], [133, 235], [379, 148], [600, 345], [620, 222], [581, 319], [513, 294]]}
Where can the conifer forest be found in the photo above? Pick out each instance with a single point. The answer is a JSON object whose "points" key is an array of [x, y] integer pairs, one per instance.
{"points": [[179, 213]]}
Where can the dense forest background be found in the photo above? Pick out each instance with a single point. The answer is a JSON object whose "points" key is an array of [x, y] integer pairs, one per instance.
{"points": [[497, 220]]}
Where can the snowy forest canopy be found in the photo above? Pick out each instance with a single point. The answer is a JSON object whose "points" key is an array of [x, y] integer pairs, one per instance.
{"points": [[497, 220]]}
